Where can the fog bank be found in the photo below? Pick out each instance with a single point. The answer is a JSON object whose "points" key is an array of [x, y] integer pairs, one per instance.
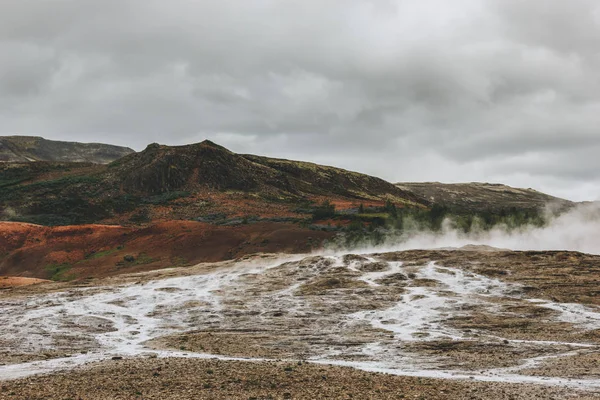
{"points": [[576, 230]]}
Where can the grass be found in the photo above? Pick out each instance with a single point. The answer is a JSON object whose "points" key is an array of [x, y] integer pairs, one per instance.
{"points": [[63, 181], [100, 254], [178, 261], [11, 182], [143, 259], [373, 215], [60, 272]]}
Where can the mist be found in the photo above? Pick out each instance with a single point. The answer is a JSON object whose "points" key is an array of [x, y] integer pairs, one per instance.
{"points": [[574, 230]]}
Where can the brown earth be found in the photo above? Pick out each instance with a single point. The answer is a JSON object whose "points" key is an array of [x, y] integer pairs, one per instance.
{"points": [[214, 379], [14, 281], [254, 323], [84, 251]]}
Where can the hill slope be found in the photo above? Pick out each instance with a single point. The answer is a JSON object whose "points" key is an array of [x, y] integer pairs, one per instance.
{"points": [[182, 182], [33, 148], [479, 197], [160, 169], [306, 177]]}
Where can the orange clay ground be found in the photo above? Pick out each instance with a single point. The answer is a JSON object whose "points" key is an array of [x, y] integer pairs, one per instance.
{"points": [[14, 281], [83, 251]]}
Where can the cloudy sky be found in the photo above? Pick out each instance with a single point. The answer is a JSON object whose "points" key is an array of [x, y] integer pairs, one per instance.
{"points": [[430, 90]]}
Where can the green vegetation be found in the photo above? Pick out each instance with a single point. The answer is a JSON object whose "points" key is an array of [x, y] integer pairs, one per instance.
{"points": [[141, 216], [12, 174], [178, 261], [63, 181], [323, 211], [466, 198], [63, 201], [373, 225], [101, 254], [373, 215], [5, 182], [60, 272], [143, 259], [122, 204], [166, 198], [68, 209]]}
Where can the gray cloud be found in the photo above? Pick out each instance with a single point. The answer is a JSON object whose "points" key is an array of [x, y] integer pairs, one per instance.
{"points": [[486, 90]]}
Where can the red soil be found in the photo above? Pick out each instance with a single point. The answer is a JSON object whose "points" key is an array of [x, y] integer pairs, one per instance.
{"points": [[232, 204], [82, 251]]}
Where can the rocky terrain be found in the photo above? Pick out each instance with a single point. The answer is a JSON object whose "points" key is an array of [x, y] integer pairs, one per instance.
{"points": [[159, 169], [34, 148], [441, 323]]}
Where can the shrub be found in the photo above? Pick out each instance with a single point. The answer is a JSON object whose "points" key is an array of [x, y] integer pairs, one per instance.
{"points": [[324, 210]]}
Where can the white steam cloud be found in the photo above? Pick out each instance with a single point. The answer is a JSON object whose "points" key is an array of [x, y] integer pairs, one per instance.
{"points": [[576, 230]]}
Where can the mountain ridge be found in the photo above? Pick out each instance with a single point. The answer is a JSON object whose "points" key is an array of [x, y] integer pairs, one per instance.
{"points": [[182, 182], [479, 196], [159, 169], [36, 148], [205, 180]]}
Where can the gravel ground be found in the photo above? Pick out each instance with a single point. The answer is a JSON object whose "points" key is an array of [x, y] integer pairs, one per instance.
{"points": [[178, 378], [575, 366], [470, 312]]}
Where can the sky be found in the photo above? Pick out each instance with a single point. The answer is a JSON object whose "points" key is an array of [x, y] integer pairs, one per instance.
{"points": [[504, 91]]}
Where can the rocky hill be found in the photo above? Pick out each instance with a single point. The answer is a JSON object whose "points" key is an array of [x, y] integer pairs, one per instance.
{"points": [[305, 177], [181, 182], [160, 169], [33, 148], [479, 197], [207, 182]]}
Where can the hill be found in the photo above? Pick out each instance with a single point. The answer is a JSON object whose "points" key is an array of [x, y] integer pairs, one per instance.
{"points": [[160, 169], [202, 180], [306, 177], [482, 197], [33, 148]]}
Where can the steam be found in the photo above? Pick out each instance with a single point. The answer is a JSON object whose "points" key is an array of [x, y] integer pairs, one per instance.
{"points": [[575, 230]]}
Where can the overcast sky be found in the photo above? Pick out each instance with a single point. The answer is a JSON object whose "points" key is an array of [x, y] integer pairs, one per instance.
{"points": [[424, 90]]}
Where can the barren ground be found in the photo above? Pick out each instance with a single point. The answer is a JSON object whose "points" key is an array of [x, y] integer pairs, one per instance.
{"points": [[466, 323]]}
